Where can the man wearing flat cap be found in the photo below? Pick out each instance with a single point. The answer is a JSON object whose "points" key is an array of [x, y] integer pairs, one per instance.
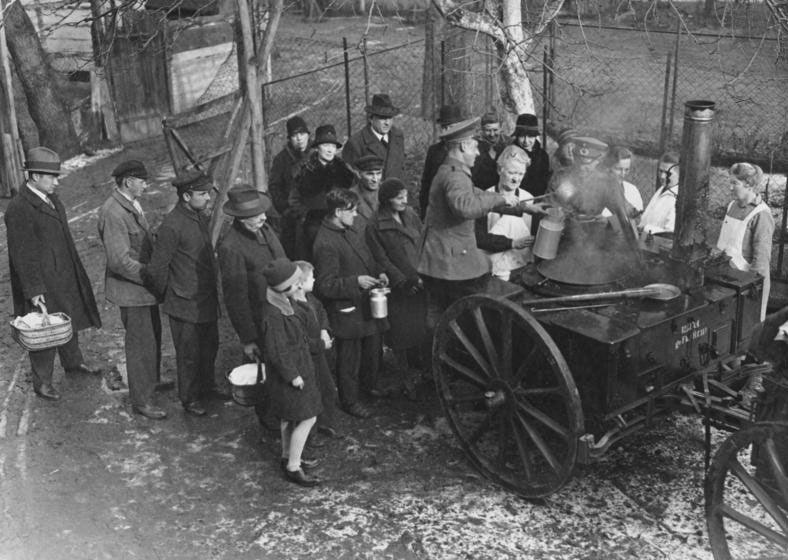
{"points": [[46, 272], [379, 138], [244, 251], [182, 272], [526, 136], [370, 169], [282, 175], [315, 176], [128, 243], [450, 263], [436, 154]]}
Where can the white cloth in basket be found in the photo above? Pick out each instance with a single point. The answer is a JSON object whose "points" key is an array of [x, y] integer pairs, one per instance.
{"points": [[35, 320], [245, 374]]}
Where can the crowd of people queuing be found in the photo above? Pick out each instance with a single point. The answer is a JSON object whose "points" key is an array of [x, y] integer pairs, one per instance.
{"points": [[298, 261]]}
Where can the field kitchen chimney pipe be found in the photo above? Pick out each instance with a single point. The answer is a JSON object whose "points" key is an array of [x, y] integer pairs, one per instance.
{"points": [[689, 237]]}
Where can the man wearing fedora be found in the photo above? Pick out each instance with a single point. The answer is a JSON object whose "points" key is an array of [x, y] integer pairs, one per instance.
{"points": [[322, 171], [491, 143], [282, 175], [46, 272], [370, 169], [182, 272], [450, 263], [526, 136], [128, 243], [448, 115], [244, 251], [379, 137]]}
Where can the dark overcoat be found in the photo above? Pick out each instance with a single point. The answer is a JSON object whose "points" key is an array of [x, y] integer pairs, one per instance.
{"points": [[286, 348], [364, 142], [44, 260], [436, 154], [316, 319], [182, 269], [537, 176], [282, 177], [313, 180], [395, 247], [484, 172], [341, 256], [242, 258], [448, 250]]}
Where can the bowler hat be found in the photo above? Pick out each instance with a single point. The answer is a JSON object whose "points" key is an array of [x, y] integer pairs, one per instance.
{"points": [[42, 160], [131, 168], [369, 162], [526, 125], [326, 134], [296, 125], [192, 181], [381, 106], [450, 114], [281, 273], [490, 118], [588, 147], [243, 201], [459, 131]]}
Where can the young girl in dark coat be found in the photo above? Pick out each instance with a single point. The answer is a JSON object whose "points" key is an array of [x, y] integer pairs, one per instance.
{"points": [[320, 341], [295, 394]]}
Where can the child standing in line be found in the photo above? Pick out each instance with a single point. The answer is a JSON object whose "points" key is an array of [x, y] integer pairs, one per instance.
{"points": [[320, 341], [295, 394]]}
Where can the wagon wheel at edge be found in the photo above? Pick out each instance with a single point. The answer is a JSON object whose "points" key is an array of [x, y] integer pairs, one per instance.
{"points": [[508, 394], [747, 494]]}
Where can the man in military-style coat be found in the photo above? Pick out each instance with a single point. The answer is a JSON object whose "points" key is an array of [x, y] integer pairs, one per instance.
{"points": [[182, 272], [379, 138], [45, 266], [450, 263], [436, 153]]}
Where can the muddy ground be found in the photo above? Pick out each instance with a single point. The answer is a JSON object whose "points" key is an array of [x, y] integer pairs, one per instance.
{"points": [[84, 478]]}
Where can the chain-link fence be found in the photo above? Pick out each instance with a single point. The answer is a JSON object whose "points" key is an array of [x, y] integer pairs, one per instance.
{"points": [[628, 87]]}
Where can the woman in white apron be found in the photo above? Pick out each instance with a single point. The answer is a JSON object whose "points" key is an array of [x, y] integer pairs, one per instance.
{"points": [[507, 238], [746, 234]]}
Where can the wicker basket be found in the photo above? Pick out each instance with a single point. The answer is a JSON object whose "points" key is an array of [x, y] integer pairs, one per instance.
{"points": [[46, 336]]}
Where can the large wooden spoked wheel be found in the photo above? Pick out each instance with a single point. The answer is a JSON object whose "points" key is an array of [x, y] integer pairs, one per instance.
{"points": [[508, 394], [747, 495]]}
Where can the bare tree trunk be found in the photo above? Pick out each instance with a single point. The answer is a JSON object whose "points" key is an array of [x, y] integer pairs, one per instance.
{"points": [[55, 129], [430, 82]]}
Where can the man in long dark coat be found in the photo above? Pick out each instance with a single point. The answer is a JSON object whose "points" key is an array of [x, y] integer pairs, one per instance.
{"points": [[380, 138], [182, 272], [45, 267], [345, 272], [245, 250]]}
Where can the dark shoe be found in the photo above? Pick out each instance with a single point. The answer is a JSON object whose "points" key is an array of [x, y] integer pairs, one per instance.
{"points": [[150, 411], [315, 441], [300, 478], [84, 368], [307, 463], [194, 408], [358, 410], [46, 391], [328, 431]]}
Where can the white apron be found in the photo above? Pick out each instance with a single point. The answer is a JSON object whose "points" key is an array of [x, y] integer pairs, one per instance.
{"points": [[512, 227], [731, 241]]}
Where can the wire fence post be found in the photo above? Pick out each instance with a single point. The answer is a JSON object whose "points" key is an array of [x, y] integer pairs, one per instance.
{"points": [[675, 79], [545, 95], [551, 83], [347, 85], [366, 69], [443, 73], [662, 123]]}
